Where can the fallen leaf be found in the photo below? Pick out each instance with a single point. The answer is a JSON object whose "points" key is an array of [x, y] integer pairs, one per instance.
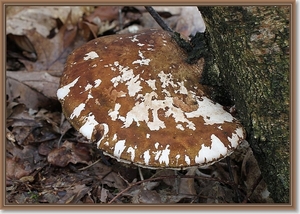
{"points": [[115, 181], [69, 153], [104, 13], [23, 94], [74, 194], [104, 195], [42, 18], [146, 197], [187, 185], [22, 162]]}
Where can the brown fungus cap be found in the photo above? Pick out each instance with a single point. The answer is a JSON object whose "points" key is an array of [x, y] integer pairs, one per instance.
{"points": [[141, 103]]}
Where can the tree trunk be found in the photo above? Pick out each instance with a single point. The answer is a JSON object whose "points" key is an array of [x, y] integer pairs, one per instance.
{"points": [[249, 61]]}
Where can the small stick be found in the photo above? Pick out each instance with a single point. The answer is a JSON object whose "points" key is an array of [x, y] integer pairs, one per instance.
{"points": [[181, 42], [232, 180], [92, 164], [158, 19]]}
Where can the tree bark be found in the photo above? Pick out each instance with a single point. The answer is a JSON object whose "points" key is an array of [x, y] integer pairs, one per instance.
{"points": [[249, 63]]}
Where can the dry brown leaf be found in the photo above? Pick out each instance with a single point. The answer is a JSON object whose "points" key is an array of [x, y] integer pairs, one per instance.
{"points": [[166, 172], [104, 195], [220, 194], [185, 20], [21, 162], [146, 197], [49, 198], [89, 30], [52, 118], [27, 17], [21, 133], [189, 22], [15, 170], [70, 153], [40, 81], [104, 13], [100, 170], [187, 185], [22, 93], [20, 47], [42, 18], [49, 52], [114, 180], [74, 194], [11, 108], [45, 148]]}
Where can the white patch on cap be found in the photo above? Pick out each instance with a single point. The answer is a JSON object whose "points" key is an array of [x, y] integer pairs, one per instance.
{"points": [[179, 126], [133, 85], [116, 80], [150, 105], [140, 44], [126, 74], [212, 113], [88, 126], [65, 90], [166, 79], [90, 96], [97, 82], [182, 89], [234, 140], [143, 61], [213, 152], [77, 111], [115, 137], [164, 158], [132, 153], [119, 148], [114, 113], [187, 159], [147, 157], [151, 84], [177, 158], [157, 154], [166, 92], [134, 39], [88, 87], [141, 110], [147, 136], [105, 131], [178, 115], [91, 55]]}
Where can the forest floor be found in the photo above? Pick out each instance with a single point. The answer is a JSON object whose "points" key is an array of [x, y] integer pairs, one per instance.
{"points": [[49, 162]]}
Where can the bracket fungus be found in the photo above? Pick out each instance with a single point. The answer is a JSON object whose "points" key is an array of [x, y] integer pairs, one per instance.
{"points": [[141, 103]]}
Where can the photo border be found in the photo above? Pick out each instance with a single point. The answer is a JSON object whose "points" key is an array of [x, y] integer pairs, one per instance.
{"points": [[182, 207]]}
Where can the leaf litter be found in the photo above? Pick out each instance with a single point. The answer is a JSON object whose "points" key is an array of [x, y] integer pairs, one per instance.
{"points": [[48, 162]]}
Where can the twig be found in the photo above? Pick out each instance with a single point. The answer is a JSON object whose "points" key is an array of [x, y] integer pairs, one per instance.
{"points": [[161, 178], [186, 46], [158, 19], [83, 168], [232, 180]]}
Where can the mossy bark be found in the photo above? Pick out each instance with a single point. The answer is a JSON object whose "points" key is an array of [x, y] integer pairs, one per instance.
{"points": [[249, 63]]}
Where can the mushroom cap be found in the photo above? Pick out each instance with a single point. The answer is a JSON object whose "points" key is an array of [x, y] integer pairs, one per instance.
{"points": [[136, 97]]}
